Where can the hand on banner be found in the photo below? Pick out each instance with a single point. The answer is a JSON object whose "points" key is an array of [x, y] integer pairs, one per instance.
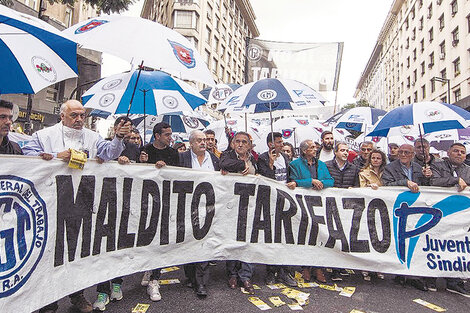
{"points": [[427, 171], [160, 164], [46, 156], [123, 160], [462, 184], [223, 172], [246, 170], [318, 185], [143, 158], [374, 186], [291, 185], [64, 155], [413, 186], [123, 129]]}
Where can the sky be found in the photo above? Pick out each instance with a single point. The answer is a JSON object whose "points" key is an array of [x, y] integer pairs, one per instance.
{"points": [[356, 23]]}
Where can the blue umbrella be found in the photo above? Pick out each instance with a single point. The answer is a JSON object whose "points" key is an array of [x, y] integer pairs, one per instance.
{"points": [[155, 93], [218, 93], [34, 54], [430, 116], [356, 118]]}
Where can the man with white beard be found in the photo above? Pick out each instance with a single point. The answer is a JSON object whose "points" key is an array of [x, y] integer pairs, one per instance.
{"points": [[56, 142]]}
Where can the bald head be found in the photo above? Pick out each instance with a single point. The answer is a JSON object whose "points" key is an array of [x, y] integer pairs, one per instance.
{"points": [[72, 114]]}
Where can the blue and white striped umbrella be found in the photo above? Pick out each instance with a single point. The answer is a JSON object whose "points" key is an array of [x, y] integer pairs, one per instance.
{"points": [[357, 118], [272, 94], [163, 94], [430, 116], [33, 54]]}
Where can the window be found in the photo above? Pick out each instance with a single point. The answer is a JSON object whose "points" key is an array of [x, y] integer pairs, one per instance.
{"points": [[442, 48], [433, 85], [217, 23], [186, 19], [412, 12], [430, 11], [208, 35], [455, 37], [408, 82], [409, 99], [441, 22], [207, 57], [209, 12], [214, 65], [407, 24], [415, 76], [444, 74], [222, 52], [68, 17], [408, 62], [431, 60], [456, 66], [192, 40], [421, 23], [454, 7], [221, 72], [457, 95], [415, 96], [407, 43], [423, 91], [420, 3], [414, 54], [431, 34], [413, 34], [421, 43], [423, 68]]}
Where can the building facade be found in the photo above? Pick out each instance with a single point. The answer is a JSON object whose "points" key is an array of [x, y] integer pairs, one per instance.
{"points": [[46, 103], [422, 54], [217, 28]]}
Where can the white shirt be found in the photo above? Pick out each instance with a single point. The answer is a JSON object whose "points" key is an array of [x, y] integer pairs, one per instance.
{"points": [[281, 170], [326, 155], [206, 163]]}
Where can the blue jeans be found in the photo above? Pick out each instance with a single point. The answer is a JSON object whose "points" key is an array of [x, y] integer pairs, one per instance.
{"points": [[240, 269]]}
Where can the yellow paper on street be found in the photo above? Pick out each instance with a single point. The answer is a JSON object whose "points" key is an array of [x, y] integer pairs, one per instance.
{"points": [[295, 307], [77, 159], [276, 286], [430, 305], [276, 301], [328, 287], [260, 304], [308, 285], [169, 281], [347, 291], [350, 272], [298, 277], [300, 296], [356, 311], [169, 269], [140, 308], [256, 287]]}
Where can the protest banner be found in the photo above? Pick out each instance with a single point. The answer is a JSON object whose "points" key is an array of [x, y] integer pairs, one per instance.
{"points": [[68, 229]]}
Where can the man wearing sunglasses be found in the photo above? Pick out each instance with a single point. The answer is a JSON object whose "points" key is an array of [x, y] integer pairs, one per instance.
{"points": [[6, 119], [365, 148]]}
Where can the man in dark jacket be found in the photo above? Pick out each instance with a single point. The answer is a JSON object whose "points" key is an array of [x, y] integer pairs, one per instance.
{"points": [[239, 160], [365, 148], [197, 157], [6, 119], [344, 173], [452, 171], [275, 165]]}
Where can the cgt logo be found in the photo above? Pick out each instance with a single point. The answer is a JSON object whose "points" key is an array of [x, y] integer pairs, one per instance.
{"points": [[267, 95], [23, 232], [428, 217]]}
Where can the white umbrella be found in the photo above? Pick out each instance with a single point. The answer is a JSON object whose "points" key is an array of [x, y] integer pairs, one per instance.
{"points": [[257, 132], [137, 40], [34, 55]]}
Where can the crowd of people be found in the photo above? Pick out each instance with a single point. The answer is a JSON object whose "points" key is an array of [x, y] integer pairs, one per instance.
{"points": [[318, 165]]}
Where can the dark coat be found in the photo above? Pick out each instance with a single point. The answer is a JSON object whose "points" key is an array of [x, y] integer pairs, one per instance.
{"points": [[394, 176], [443, 173], [359, 161], [265, 170], [185, 160], [229, 162], [348, 177], [9, 147]]}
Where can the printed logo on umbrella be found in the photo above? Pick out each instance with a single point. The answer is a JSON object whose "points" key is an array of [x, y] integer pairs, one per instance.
{"points": [[220, 94], [170, 102], [286, 133], [107, 99], [434, 115], [302, 122], [191, 122], [183, 54], [405, 129], [89, 26], [44, 68], [112, 84], [267, 95]]}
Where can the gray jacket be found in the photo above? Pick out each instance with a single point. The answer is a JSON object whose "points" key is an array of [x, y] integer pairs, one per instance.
{"points": [[443, 173], [395, 176]]}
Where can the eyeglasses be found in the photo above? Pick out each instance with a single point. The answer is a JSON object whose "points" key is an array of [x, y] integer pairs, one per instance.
{"points": [[366, 149], [405, 152]]}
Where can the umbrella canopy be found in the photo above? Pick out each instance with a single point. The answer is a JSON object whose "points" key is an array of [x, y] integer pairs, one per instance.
{"points": [[219, 92], [34, 55], [136, 39], [271, 94], [356, 118], [163, 94], [257, 132], [431, 116]]}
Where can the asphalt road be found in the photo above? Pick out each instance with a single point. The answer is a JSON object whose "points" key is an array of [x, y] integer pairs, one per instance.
{"points": [[375, 296]]}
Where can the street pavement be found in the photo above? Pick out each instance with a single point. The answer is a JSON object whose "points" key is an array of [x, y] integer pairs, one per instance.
{"points": [[375, 296]]}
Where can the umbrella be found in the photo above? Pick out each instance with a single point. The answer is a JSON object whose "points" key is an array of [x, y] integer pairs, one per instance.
{"points": [[356, 118], [155, 93], [34, 55], [219, 92], [430, 116], [257, 132], [137, 40]]}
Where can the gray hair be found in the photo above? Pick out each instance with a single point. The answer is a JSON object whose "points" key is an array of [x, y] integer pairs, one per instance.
{"points": [[369, 143], [195, 133], [304, 145]]}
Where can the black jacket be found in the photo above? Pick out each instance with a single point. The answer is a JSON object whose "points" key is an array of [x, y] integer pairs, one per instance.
{"points": [[443, 173], [229, 162], [394, 176], [348, 177], [185, 160], [265, 170], [9, 147]]}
